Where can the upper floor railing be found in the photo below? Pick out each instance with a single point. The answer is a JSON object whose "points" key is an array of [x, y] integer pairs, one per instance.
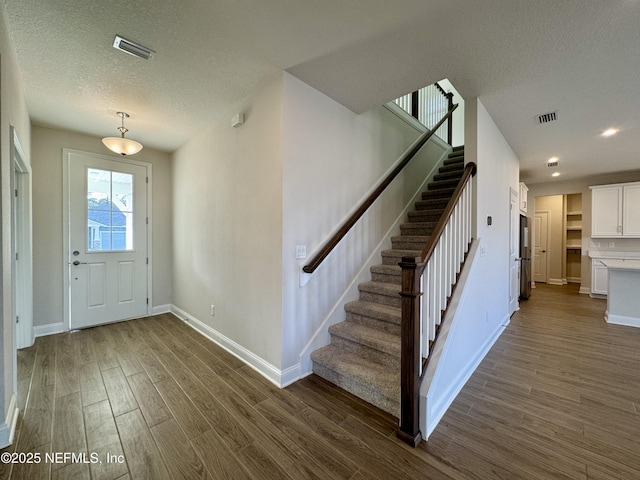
{"points": [[428, 105]]}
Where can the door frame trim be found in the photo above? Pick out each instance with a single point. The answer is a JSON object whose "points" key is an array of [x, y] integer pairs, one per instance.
{"points": [[22, 242], [548, 257], [66, 234]]}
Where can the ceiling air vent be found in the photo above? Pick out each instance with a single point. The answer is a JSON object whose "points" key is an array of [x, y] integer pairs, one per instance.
{"points": [[552, 164], [132, 48], [547, 117]]}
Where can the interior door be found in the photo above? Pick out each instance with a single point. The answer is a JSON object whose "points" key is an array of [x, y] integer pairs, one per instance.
{"points": [[107, 240], [540, 247], [514, 252]]}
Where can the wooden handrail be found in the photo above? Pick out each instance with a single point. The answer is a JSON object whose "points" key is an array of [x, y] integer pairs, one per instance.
{"points": [[469, 171], [351, 221]]}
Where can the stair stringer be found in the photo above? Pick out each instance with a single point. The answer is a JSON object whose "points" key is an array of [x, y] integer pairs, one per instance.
{"points": [[435, 398], [321, 337]]}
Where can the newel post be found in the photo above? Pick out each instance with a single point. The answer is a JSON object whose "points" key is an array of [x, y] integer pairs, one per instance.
{"points": [[409, 431]]}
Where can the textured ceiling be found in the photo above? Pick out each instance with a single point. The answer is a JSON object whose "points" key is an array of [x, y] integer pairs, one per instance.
{"points": [[522, 57]]}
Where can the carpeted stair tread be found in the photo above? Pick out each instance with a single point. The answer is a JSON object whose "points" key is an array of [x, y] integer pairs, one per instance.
{"points": [[390, 289], [454, 167], [385, 313], [416, 227], [374, 383], [452, 174], [439, 193], [393, 256], [443, 184], [386, 273], [370, 337], [409, 242]]}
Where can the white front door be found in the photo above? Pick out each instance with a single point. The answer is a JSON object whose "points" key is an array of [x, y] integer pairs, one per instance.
{"points": [[514, 252], [107, 239], [540, 241]]}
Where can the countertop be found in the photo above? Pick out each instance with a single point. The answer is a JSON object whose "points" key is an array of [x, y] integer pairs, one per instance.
{"points": [[626, 264], [604, 254]]}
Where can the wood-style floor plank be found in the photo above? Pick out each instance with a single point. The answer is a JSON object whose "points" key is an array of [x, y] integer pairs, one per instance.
{"points": [[143, 457], [103, 439], [558, 396], [181, 460], [120, 395]]}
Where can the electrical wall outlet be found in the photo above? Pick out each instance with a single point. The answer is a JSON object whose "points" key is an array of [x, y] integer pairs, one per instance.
{"points": [[213, 310], [612, 244]]}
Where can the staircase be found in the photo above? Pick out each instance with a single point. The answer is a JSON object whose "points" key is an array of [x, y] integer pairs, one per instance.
{"points": [[364, 354]]}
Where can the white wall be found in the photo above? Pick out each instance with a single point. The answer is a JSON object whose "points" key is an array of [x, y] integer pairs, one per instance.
{"points": [[332, 159], [13, 113], [47, 145], [484, 310], [245, 198], [227, 210]]}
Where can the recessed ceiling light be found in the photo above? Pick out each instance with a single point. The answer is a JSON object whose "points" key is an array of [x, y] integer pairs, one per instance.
{"points": [[555, 174], [610, 132]]}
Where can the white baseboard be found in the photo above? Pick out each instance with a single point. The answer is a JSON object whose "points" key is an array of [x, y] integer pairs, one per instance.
{"points": [[585, 290], [160, 309], [49, 329], [555, 281], [280, 378], [573, 280], [8, 428], [622, 320]]}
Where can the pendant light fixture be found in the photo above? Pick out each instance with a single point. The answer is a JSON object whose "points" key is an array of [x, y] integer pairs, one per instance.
{"points": [[122, 145]]}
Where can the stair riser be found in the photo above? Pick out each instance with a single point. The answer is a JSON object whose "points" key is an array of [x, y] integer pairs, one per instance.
{"points": [[417, 228], [386, 278], [443, 184], [372, 322], [392, 259], [454, 175], [442, 195], [359, 390], [454, 161], [408, 245], [419, 217], [434, 206], [366, 352], [455, 167], [382, 299]]}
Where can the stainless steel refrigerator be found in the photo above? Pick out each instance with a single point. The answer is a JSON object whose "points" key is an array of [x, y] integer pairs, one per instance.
{"points": [[525, 258]]}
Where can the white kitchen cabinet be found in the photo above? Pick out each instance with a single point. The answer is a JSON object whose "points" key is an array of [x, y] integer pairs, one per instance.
{"points": [[599, 278], [614, 210], [523, 198], [631, 210]]}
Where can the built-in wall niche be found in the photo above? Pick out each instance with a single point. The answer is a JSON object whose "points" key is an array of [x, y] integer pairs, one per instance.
{"points": [[573, 237]]}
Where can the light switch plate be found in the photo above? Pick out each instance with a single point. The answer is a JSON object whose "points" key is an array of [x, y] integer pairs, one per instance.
{"points": [[301, 252]]}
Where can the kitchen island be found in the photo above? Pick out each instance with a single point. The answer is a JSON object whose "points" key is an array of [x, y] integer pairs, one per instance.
{"points": [[623, 299]]}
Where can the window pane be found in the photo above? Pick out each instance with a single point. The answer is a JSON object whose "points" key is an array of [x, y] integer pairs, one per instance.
{"points": [[109, 210]]}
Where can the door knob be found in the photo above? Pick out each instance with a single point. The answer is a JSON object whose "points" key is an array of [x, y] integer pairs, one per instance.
{"points": [[544, 251], [77, 262], [76, 253]]}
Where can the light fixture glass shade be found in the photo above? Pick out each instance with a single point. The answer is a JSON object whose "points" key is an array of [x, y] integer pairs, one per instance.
{"points": [[121, 145]]}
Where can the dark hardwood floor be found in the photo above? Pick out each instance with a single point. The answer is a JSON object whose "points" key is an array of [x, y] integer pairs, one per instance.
{"points": [[558, 396]]}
